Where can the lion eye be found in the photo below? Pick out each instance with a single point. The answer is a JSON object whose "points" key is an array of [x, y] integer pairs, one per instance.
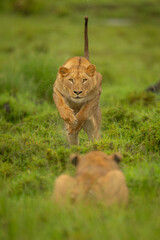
{"points": [[85, 80], [71, 80]]}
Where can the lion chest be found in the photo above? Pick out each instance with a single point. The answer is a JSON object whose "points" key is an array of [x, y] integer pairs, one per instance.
{"points": [[75, 105]]}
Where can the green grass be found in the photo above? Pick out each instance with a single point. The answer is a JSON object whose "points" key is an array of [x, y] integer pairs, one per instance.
{"points": [[33, 145]]}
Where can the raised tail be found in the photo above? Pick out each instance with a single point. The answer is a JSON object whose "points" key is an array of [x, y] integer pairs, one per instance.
{"points": [[86, 50]]}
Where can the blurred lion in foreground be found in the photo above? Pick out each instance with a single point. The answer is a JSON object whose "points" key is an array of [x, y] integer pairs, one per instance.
{"points": [[98, 178]]}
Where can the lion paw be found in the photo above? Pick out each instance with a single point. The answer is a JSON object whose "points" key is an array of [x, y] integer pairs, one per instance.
{"points": [[69, 118], [71, 129]]}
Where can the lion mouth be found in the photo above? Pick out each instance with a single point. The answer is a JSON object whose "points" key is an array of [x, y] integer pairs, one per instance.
{"points": [[77, 97]]}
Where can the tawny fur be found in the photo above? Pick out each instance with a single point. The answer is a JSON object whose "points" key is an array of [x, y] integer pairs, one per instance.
{"points": [[78, 111], [76, 93], [98, 178]]}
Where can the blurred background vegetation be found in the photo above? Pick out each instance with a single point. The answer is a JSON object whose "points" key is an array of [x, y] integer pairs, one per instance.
{"points": [[38, 36], [141, 9], [42, 35]]}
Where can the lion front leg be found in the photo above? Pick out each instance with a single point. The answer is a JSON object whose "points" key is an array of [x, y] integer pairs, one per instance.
{"points": [[112, 189], [66, 113], [88, 112], [64, 189], [72, 136]]}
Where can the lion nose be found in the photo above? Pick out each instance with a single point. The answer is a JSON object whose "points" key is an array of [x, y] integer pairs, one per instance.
{"points": [[77, 92]]}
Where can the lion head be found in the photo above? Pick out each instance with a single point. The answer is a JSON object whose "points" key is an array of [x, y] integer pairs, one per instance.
{"points": [[78, 78], [96, 159]]}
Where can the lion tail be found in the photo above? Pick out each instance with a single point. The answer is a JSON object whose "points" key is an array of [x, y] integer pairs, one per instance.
{"points": [[86, 50]]}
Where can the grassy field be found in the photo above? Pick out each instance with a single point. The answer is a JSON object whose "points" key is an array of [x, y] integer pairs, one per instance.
{"points": [[33, 145]]}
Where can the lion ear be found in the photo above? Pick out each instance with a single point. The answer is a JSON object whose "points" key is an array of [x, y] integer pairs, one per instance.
{"points": [[91, 69], [117, 157], [75, 158], [63, 71]]}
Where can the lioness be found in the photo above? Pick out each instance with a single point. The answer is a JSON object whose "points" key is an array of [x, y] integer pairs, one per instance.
{"points": [[98, 178], [76, 93]]}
